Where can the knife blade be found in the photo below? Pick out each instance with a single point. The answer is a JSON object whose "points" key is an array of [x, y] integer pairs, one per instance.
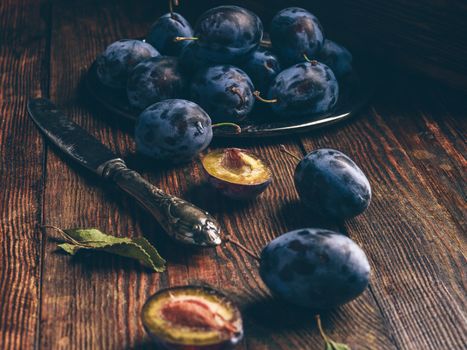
{"points": [[180, 219]]}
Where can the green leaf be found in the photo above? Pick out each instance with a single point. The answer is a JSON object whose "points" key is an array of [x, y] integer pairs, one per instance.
{"points": [[331, 345], [92, 239]]}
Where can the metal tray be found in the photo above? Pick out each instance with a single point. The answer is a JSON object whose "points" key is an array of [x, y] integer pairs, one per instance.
{"points": [[354, 94]]}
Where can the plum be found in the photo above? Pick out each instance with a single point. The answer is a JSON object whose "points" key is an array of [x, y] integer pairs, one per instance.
{"points": [[305, 88], [224, 91], [154, 80], [336, 57], [175, 130], [236, 173], [164, 31], [119, 58], [192, 318], [262, 66], [332, 185], [295, 32], [314, 268], [226, 34]]}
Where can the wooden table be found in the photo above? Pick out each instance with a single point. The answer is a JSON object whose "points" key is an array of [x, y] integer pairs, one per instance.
{"points": [[410, 142]]}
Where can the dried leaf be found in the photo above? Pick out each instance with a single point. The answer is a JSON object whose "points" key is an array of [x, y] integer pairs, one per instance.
{"points": [[92, 239]]}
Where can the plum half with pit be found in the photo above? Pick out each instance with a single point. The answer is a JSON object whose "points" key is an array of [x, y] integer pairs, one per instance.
{"points": [[236, 173], [225, 92], [336, 57], [154, 80], [119, 58], [315, 268], [164, 31], [192, 318], [227, 34], [173, 130], [296, 33], [332, 185], [303, 89]]}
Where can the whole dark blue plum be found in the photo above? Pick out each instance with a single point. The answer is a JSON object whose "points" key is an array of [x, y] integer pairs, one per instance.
{"points": [[164, 31], [315, 268], [174, 130], [305, 88], [336, 57], [262, 66], [119, 58], [332, 185], [154, 80], [225, 92], [295, 32], [192, 59], [226, 34]]}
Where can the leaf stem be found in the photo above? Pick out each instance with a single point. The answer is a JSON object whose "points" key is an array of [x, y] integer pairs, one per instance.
{"points": [[65, 235], [259, 98], [70, 239], [320, 328], [285, 150]]}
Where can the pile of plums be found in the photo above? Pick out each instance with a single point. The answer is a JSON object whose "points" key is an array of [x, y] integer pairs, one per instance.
{"points": [[221, 67]]}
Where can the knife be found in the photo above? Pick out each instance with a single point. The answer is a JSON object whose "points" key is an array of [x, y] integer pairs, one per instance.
{"points": [[181, 220]]}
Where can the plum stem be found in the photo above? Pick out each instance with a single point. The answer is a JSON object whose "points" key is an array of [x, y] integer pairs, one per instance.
{"points": [[266, 43], [236, 243], [185, 38], [172, 3], [237, 127], [313, 62], [285, 150], [259, 98]]}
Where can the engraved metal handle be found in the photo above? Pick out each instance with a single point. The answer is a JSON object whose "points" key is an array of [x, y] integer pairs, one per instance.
{"points": [[182, 220]]}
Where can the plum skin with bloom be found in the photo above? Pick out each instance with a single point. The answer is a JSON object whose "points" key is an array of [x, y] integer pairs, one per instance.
{"points": [[174, 130], [227, 34], [332, 185], [119, 58], [336, 57], [165, 29], [305, 88], [315, 268], [262, 66], [154, 80], [295, 32], [225, 92]]}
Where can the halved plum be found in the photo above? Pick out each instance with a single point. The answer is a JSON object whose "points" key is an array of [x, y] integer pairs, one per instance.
{"points": [[236, 173], [192, 318]]}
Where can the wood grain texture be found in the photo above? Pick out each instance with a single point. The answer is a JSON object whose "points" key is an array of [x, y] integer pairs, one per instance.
{"points": [[415, 244], [23, 64], [90, 301]]}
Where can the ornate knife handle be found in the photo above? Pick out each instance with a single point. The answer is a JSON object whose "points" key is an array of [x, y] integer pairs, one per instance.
{"points": [[182, 220]]}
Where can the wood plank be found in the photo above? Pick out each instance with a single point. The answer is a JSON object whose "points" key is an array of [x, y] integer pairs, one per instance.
{"points": [[92, 301], [23, 73], [411, 239]]}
